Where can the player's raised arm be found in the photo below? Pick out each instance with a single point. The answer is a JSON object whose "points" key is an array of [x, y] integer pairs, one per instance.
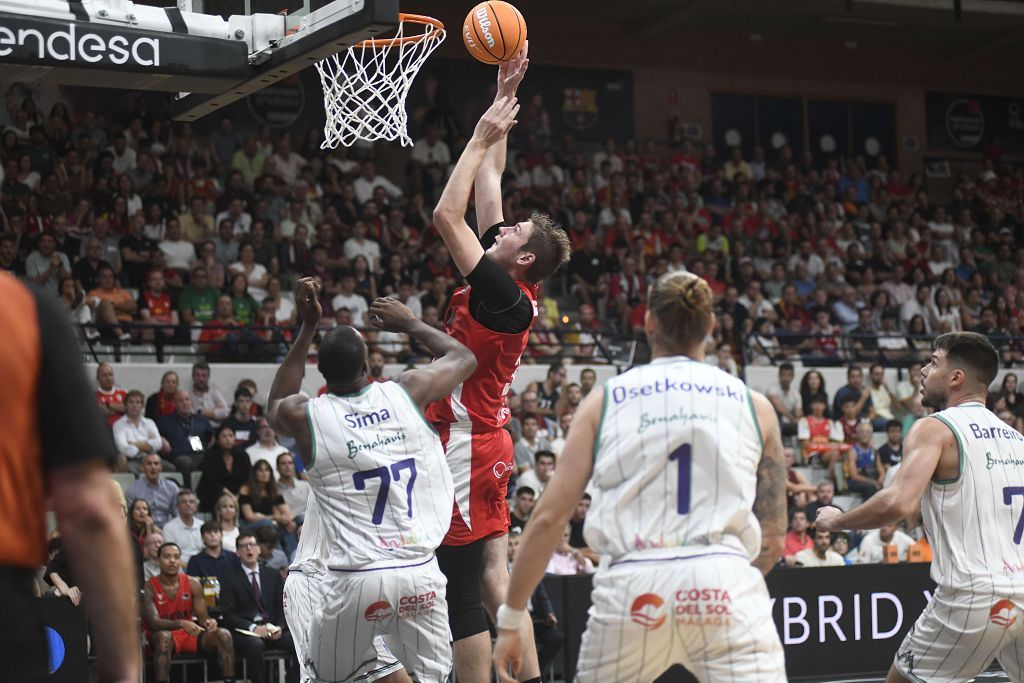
{"points": [[487, 184], [450, 213], [923, 448], [770, 500], [286, 408], [454, 362], [544, 531]]}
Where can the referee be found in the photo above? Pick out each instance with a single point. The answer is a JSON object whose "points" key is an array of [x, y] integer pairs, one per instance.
{"points": [[54, 444]]}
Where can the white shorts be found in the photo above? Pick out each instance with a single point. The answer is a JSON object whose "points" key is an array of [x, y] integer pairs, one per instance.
{"points": [[959, 634], [711, 614], [364, 625]]}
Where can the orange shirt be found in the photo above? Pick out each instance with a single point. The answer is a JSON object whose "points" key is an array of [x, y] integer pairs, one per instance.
{"points": [[115, 296]]}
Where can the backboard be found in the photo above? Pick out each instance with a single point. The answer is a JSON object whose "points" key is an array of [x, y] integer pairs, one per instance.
{"points": [[210, 52]]}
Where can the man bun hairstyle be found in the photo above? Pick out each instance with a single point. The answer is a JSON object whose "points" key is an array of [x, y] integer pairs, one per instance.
{"points": [[971, 352], [682, 304], [549, 245]]}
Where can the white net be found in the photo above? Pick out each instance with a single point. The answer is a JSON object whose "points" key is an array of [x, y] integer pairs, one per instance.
{"points": [[365, 86]]}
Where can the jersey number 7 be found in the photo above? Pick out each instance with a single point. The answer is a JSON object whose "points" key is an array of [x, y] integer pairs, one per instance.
{"points": [[1008, 494], [386, 477], [684, 455]]}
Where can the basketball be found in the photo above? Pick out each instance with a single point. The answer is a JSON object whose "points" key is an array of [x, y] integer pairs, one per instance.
{"points": [[494, 32]]}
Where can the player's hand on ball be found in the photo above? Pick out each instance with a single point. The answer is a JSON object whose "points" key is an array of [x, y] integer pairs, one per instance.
{"points": [[507, 656], [307, 300], [389, 314], [497, 121], [825, 520], [511, 73]]}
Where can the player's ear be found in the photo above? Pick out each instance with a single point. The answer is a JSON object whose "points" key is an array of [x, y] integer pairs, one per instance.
{"points": [[525, 258]]}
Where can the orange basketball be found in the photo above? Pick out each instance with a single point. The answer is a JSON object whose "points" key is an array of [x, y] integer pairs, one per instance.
{"points": [[494, 31]]}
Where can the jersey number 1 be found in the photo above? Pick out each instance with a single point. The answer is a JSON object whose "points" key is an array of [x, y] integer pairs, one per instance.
{"points": [[385, 477], [684, 454]]}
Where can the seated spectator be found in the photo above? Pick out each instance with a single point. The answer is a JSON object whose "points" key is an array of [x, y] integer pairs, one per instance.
{"points": [[818, 436], [178, 252], [161, 494], [175, 619], [864, 469], [824, 339], [267, 446], [1008, 397], [198, 302], [135, 435], [270, 548], [872, 549], [262, 504], [206, 397], [882, 400], [150, 546], [797, 538], [538, 477], [244, 306], [225, 469], [241, 419], [86, 269], [113, 304], [45, 266], [162, 403], [576, 522], [547, 635], [214, 561], [841, 546], [799, 491], [252, 599], [849, 419], [856, 390], [156, 308], [109, 396], [215, 341], [347, 298], [824, 494], [294, 490], [820, 554], [522, 506], [567, 560], [564, 422], [785, 399], [891, 452], [140, 522], [58, 574], [863, 339], [183, 530], [529, 443], [226, 515], [186, 433]]}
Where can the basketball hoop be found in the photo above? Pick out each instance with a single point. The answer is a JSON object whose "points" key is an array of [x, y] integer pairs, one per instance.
{"points": [[366, 85]]}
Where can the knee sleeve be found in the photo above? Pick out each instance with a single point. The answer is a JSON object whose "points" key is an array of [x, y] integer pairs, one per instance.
{"points": [[462, 566]]}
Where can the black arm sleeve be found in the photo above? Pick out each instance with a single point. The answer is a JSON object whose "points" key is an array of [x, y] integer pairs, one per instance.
{"points": [[495, 300], [71, 428]]}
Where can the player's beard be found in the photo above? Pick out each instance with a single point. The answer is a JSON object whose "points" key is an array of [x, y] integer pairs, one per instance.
{"points": [[933, 399]]}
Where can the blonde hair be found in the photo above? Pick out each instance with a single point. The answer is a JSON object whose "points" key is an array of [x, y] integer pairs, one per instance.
{"points": [[681, 302], [226, 498]]}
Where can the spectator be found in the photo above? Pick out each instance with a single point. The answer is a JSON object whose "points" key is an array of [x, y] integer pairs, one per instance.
{"points": [[162, 403], [882, 400], [557, 444], [226, 516], [548, 391], [184, 529], [86, 269], [113, 304], [140, 521], [863, 338], [896, 347], [270, 548], [262, 504], [891, 452], [820, 554], [588, 378], [529, 443], [538, 477], [369, 180], [522, 506], [824, 494], [156, 308], [214, 562], [799, 491], [135, 435], [225, 469], [110, 397], [1007, 397], [178, 252], [46, 266], [267, 446], [347, 298], [252, 599], [797, 538], [567, 560], [186, 433], [864, 469], [917, 306], [198, 302], [161, 494], [818, 436], [150, 545], [576, 522], [856, 390], [786, 400], [295, 491], [872, 549], [241, 419], [207, 399]]}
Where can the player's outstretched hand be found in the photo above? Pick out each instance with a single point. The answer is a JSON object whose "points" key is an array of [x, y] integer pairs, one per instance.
{"points": [[508, 656], [390, 314], [511, 73], [825, 520], [497, 121], [307, 300]]}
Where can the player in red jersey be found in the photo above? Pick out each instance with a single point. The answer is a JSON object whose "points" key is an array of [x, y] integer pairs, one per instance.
{"points": [[492, 316], [172, 598]]}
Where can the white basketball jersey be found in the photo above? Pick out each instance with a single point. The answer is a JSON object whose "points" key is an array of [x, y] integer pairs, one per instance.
{"points": [[382, 491], [975, 522], [675, 464]]}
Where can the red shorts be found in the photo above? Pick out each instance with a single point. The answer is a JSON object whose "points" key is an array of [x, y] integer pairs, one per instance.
{"points": [[481, 466], [184, 644]]}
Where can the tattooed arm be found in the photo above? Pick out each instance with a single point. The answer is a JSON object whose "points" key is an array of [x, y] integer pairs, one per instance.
{"points": [[770, 501]]}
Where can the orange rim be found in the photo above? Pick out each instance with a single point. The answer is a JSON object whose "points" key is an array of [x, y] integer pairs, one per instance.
{"points": [[436, 27]]}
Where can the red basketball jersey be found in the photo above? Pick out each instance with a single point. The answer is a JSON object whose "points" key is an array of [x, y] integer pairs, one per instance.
{"points": [[116, 395], [480, 401], [176, 608]]}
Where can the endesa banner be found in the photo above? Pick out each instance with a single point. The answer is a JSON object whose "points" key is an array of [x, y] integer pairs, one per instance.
{"points": [[831, 621]]}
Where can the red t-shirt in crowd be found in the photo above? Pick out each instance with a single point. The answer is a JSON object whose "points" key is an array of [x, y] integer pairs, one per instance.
{"points": [[116, 395]]}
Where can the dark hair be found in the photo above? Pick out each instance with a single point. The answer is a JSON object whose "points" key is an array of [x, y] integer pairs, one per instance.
{"points": [[554, 368], [529, 416], [849, 370], [342, 355], [209, 526], [242, 392], [201, 365], [795, 512], [970, 351], [586, 496], [525, 489], [256, 493], [549, 245], [544, 454], [893, 423], [246, 534], [160, 550], [264, 534], [135, 392], [786, 367]]}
